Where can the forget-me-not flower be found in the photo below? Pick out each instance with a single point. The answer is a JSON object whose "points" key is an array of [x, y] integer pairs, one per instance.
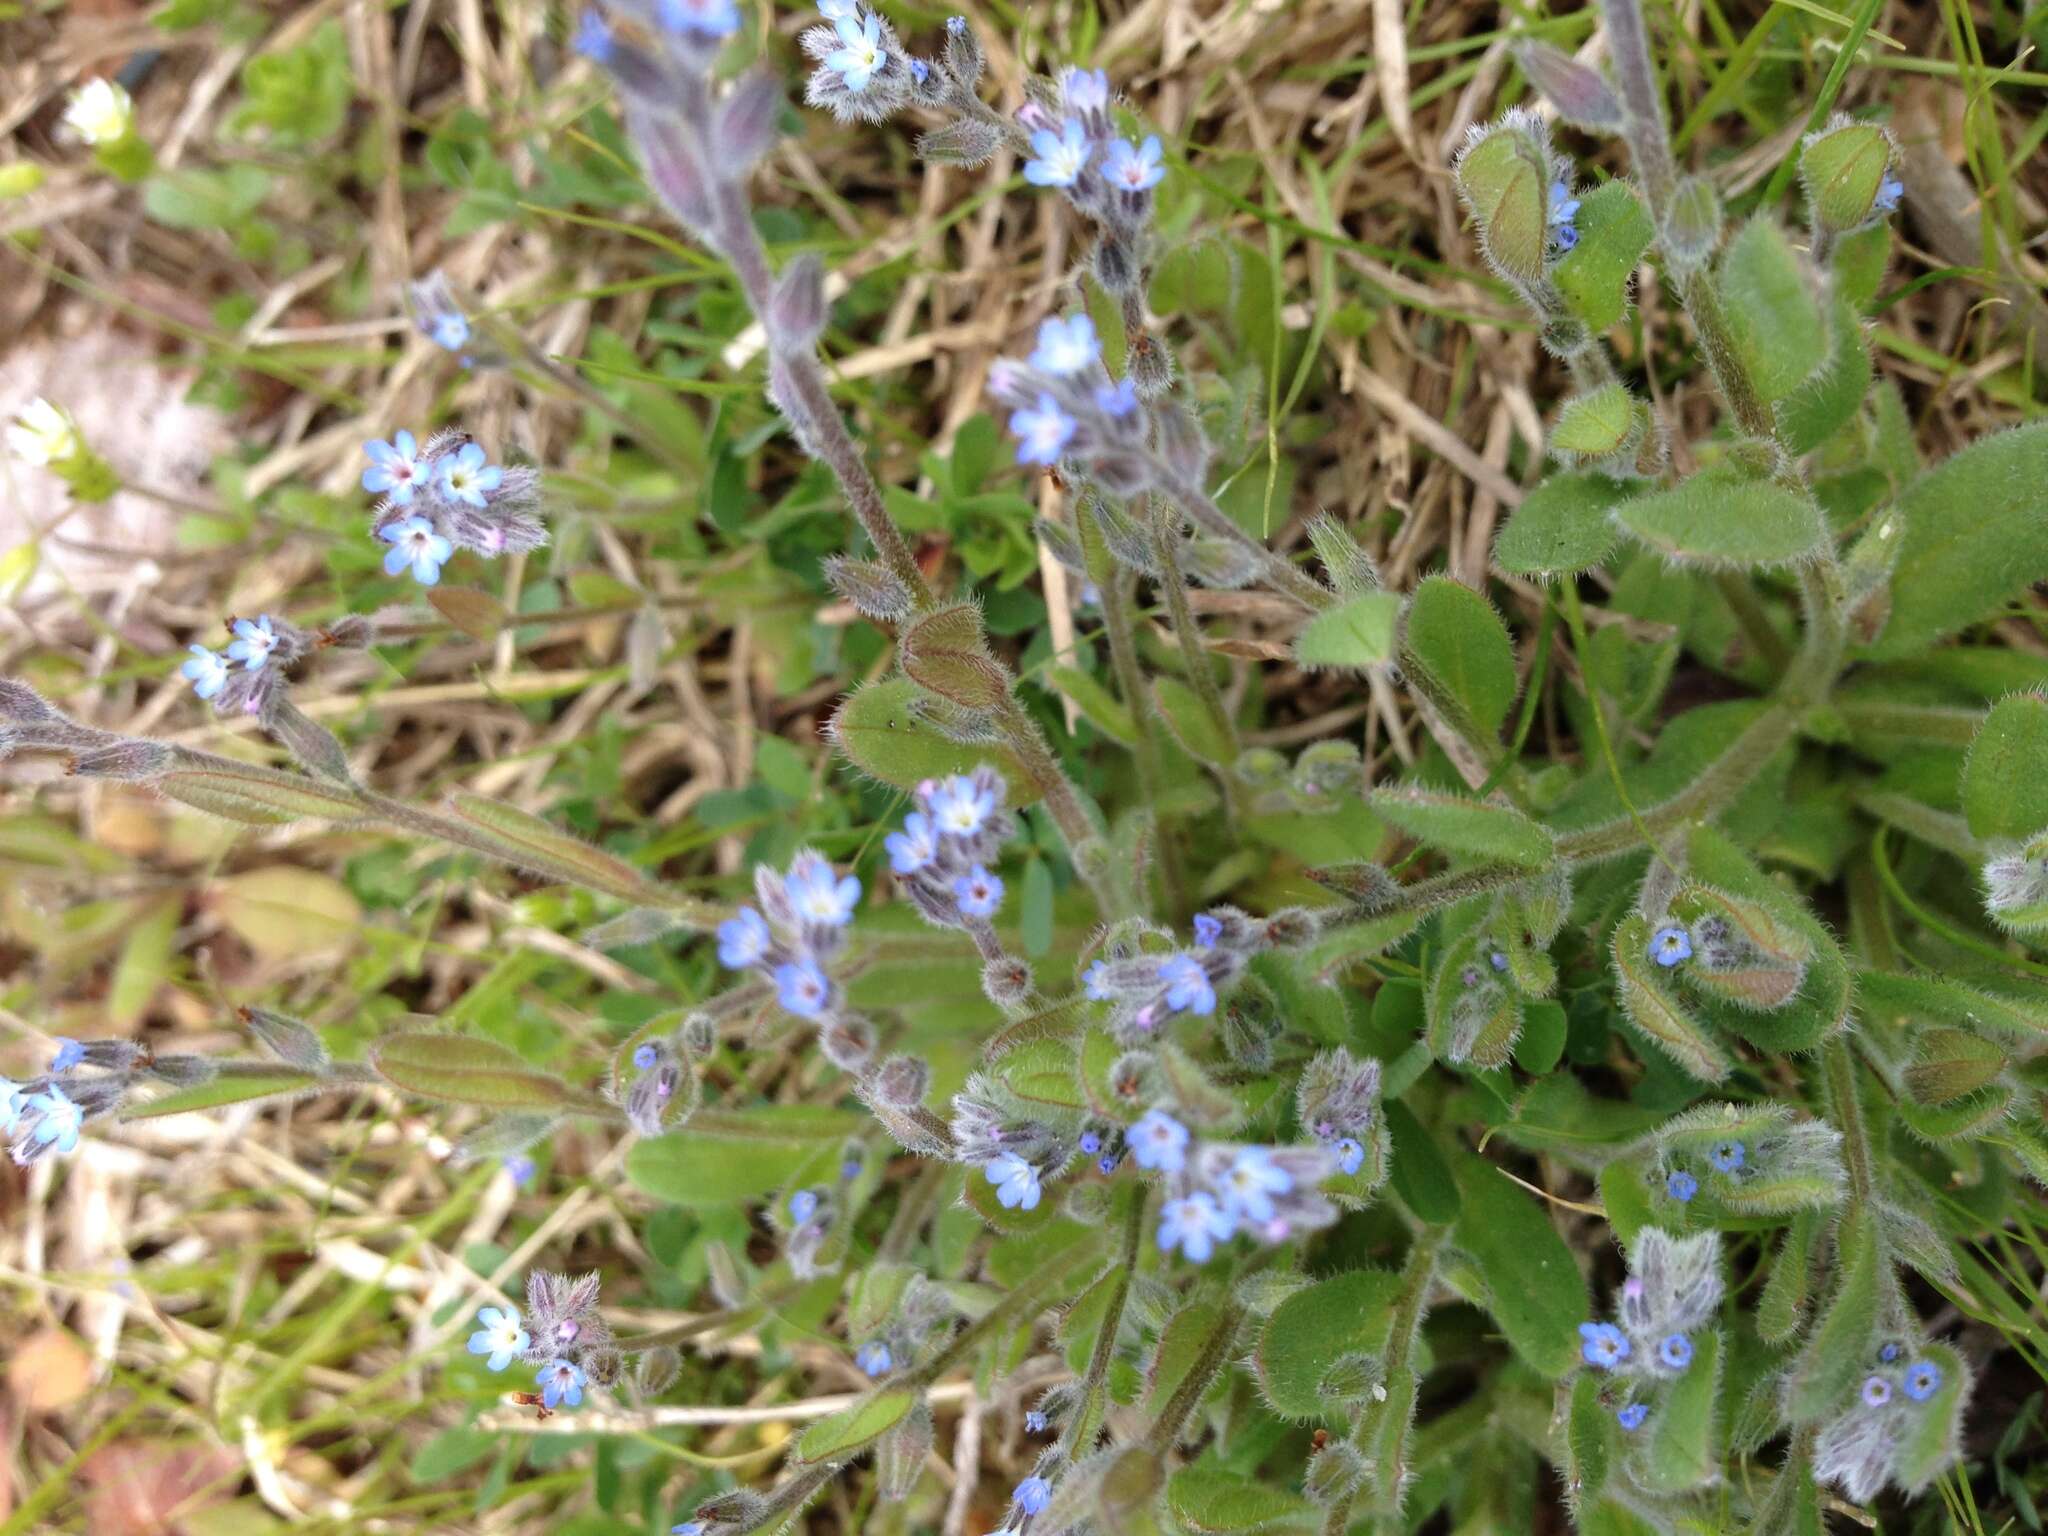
{"points": [[803, 1205], [593, 37], [414, 543], [500, 1338], [1250, 1183], [687, 1528], [208, 671], [449, 330], [1675, 1350], [1032, 1495], [743, 940], [69, 1054], [466, 477], [1727, 1156], [1889, 191], [1087, 90], [1042, 431], [1133, 167], [1194, 1224], [395, 467], [1923, 1380], [1603, 1345], [1207, 931], [703, 18], [859, 56], [819, 895], [915, 846], [1095, 982], [58, 1120], [1350, 1154], [1632, 1416], [645, 1055], [1681, 1186], [978, 892], [874, 1358], [1066, 346], [254, 641], [1158, 1142], [1016, 1181], [1117, 401], [1669, 945], [1035, 1422], [802, 988], [561, 1384], [961, 806], [1187, 985], [1876, 1391], [1062, 156]]}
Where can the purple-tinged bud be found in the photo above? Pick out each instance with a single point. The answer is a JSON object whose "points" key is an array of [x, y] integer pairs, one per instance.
{"points": [[849, 1043], [655, 1371], [128, 760], [1291, 927], [1580, 94], [653, 1096], [351, 632], [317, 748], [875, 591], [673, 171], [796, 309], [182, 1071], [1007, 981], [1116, 268], [746, 123], [603, 1363], [967, 142], [902, 1082], [697, 1036], [963, 54]]}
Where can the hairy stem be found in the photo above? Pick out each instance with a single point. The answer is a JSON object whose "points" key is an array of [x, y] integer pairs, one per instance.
{"points": [[1279, 573], [1082, 1426], [1418, 1275], [1194, 653], [1130, 681]]}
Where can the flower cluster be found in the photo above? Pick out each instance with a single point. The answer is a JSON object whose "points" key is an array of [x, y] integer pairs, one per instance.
{"points": [[1145, 988], [563, 1337], [808, 909], [1218, 1190], [443, 495], [86, 1080], [265, 647], [1338, 1099], [1860, 1450], [865, 74], [942, 853], [1673, 1287]]}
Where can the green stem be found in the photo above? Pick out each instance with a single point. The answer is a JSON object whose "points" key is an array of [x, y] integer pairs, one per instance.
{"points": [[1195, 655], [1839, 1068], [1193, 1387], [1085, 1422], [1762, 636], [1410, 1303], [1013, 1308], [1130, 681]]}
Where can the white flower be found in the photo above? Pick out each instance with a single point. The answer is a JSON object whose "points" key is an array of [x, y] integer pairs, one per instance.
{"points": [[42, 434], [100, 112]]}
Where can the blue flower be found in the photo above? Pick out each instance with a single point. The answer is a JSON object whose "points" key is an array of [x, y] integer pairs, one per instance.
{"points": [[1032, 1495], [803, 1205], [1876, 1391], [1133, 167], [1095, 981], [859, 56], [1250, 1183], [57, 1119], [1035, 1422], [1016, 1181], [1681, 1186], [500, 1338], [1350, 1154], [1567, 237], [1042, 431], [253, 642], [1207, 931], [448, 330], [802, 988], [394, 467], [962, 807], [1498, 960], [838, 10], [10, 1103], [978, 892], [915, 846], [1675, 1350], [704, 18], [1889, 1353], [645, 1055], [819, 895], [850, 1168], [1117, 400], [1090, 1143], [874, 1358], [957, 25], [1603, 1345], [1061, 156], [1194, 1224], [1923, 1380], [1187, 985], [593, 37], [1087, 90], [687, 1528], [208, 671], [414, 543], [466, 477], [561, 1384], [743, 940], [920, 71], [1158, 1142], [1066, 346], [1727, 1156], [1106, 1163], [1632, 1416], [1669, 945], [69, 1054], [521, 1169], [1889, 191], [1563, 206]]}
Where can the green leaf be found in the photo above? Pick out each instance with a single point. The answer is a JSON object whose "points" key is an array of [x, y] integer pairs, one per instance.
{"points": [[1590, 1438], [846, 1431], [1917, 1002], [1933, 1429], [223, 1091], [530, 842], [1308, 1332], [1416, 1169], [1565, 526], [1034, 909], [946, 653], [1829, 400], [1534, 1290], [1976, 536], [1596, 425], [1504, 178], [1104, 710], [1189, 1337], [2005, 780], [1481, 829], [1726, 519], [1190, 721], [1842, 169], [884, 731], [727, 1156], [1845, 1340], [1593, 276], [1453, 634], [1358, 633], [1683, 1450], [466, 1070], [1208, 1499], [450, 1452], [1779, 332], [1655, 1010]]}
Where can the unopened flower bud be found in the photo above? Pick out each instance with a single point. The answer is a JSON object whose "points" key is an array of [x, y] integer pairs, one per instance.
{"points": [[963, 53], [1007, 981], [903, 1081], [287, 1039], [131, 761], [655, 1371], [874, 590], [746, 122], [849, 1043]]}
